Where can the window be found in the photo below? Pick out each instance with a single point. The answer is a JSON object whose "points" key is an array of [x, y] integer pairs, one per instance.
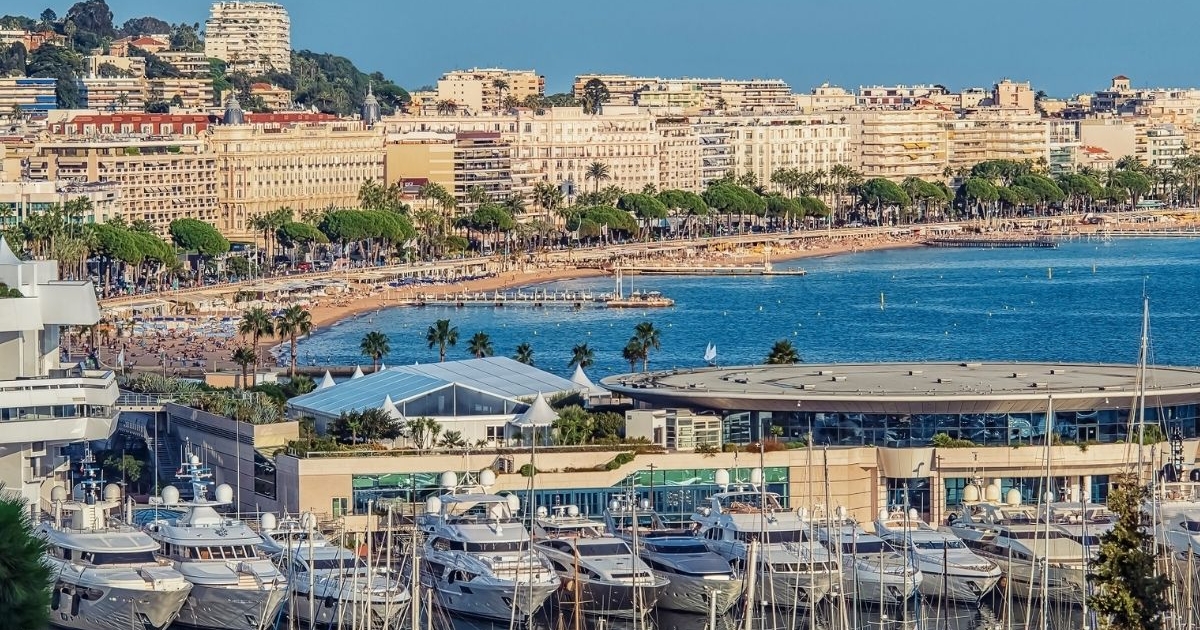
{"points": [[341, 506], [495, 433]]}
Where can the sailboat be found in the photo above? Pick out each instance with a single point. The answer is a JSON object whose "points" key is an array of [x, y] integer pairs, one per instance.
{"points": [[710, 355]]}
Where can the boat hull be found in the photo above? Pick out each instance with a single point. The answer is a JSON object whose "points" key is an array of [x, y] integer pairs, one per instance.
{"points": [[499, 601], [799, 589], [609, 599], [694, 594], [1024, 580], [80, 607], [330, 611], [869, 587], [958, 587], [231, 608]]}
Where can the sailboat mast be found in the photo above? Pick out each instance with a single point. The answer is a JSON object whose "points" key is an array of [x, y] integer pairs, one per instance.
{"points": [[1141, 384]]}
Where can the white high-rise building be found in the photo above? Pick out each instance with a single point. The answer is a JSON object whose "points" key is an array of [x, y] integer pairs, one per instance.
{"points": [[45, 403], [251, 36]]}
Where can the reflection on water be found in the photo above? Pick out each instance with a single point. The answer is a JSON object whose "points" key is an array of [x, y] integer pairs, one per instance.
{"points": [[939, 304]]}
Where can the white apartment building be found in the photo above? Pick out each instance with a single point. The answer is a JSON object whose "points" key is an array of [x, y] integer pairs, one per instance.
{"points": [[735, 95], [1161, 146], [761, 145], [992, 133], [678, 154], [251, 36], [26, 198], [899, 143], [563, 141]]}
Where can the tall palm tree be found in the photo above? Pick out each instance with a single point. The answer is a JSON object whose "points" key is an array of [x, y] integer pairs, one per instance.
{"points": [[256, 322], [480, 345], [524, 353], [651, 339], [582, 356], [245, 356], [597, 172], [293, 322], [634, 352], [501, 87], [442, 335], [25, 600], [783, 353], [375, 345]]}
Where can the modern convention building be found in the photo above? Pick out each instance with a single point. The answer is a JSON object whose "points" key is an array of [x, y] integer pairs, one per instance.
{"points": [[919, 433]]}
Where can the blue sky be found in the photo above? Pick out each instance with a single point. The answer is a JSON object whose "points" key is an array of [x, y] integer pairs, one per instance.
{"points": [[1062, 46]]}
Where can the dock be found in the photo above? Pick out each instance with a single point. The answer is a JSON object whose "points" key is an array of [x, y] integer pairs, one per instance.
{"points": [[536, 299], [681, 270], [993, 243]]}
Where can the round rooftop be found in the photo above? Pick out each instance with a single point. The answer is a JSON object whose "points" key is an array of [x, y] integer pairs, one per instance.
{"points": [[911, 388]]}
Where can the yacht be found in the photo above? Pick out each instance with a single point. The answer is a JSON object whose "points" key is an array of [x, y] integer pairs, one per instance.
{"points": [[699, 580], [952, 571], [793, 568], [873, 571], [479, 557], [105, 574], [331, 586], [234, 585], [1038, 559], [601, 574], [1084, 523]]}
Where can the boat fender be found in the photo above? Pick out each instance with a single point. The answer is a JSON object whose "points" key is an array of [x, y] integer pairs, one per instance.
{"points": [[75, 603], [330, 601], [952, 519]]}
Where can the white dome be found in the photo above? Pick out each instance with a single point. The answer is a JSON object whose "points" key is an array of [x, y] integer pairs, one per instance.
{"points": [[433, 505], [541, 511], [170, 495], [883, 514], [487, 477], [756, 476], [449, 479], [224, 493], [112, 492], [194, 459], [644, 504], [991, 493], [58, 494], [1013, 497], [970, 493], [514, 503], [721, 477], [614, 504], [913, 515], [572, 511], [267, 521]]}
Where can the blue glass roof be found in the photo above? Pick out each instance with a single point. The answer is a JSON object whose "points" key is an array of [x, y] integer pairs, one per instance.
{"points": [[499, 376]]}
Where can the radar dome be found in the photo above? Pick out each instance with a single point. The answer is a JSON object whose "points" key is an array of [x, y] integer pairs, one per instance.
{"points": [[58, 494], [433, 505], [541, 511], [644, 504], [448, 479], [913, 515], [1013, 497], [756, 476], [883, 514], [170, 495], [224, 493], [308, 521], [487, 477], [614, 504], [1048, 497], [514, 503], [991, 493], [572, 511], [721, 477], [971, 493], [194, 459], [267, 521], [112, 492]]}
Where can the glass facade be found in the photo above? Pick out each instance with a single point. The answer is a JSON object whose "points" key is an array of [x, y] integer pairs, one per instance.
{"points": [[1002, 429], [674, 493], [264, 476], [1031, 488]]}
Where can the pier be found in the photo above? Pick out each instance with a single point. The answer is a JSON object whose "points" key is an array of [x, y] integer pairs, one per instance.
{"points": [[536, 299], [993, 243], [684, 270]]}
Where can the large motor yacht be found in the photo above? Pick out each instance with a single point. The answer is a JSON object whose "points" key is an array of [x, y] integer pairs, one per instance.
{"points": [[1038, 559], [950, 569], [234, 585], [873, 571], [105, 574], [793, 569], [478, 555], [700, 581], [601, 574], [331, 586]]}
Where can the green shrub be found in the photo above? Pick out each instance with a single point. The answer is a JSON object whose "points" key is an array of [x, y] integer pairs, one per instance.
{"points": [[943, 440]]}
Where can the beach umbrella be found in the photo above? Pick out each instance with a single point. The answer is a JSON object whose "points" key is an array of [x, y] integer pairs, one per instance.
{"points": [[358, 373], [327, 381]]}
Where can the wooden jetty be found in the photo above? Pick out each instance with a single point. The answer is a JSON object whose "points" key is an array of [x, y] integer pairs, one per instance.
{"points": [[686, 270], [536, 299], [993, 243]]}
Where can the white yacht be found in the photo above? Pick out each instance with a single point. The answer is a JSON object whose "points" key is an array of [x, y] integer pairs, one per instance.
{"points": [[793, 568], [1084, 523], [873, 571], [1039, 560], [601, 574], [479, 556], [952, 571], [234, 585], [331, 586], [105, 574], [696, 576]]}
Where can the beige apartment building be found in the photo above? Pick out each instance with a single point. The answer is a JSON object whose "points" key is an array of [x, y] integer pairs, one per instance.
{"points": [[1009, 94], [305, 166], [1117, 137], [274, 97], [761, 145], [750, 95], [563, 141], [250, 36], [131, 66], [191, 65], [682, 96], [1158, 146], [192, 93], [159, 180], [30, 94], [992, 133], [678, 155], [825, 97], [476, 90], [899, 143], [26, 198], [113, 95], [419, 156]]}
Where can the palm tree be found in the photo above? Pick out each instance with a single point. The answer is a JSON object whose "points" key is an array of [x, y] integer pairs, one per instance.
{"points": [[25, 601], [634, 352], [442, 335], [597, 172], [783, 353], [524, 353], [480, 345], [375, 345], [245, 356], [501, 87], [256, 322], [293, 322], [582, 356], [646, 334]]}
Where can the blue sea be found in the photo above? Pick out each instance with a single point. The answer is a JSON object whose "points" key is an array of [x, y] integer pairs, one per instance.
{"points": [[1079, 302]]}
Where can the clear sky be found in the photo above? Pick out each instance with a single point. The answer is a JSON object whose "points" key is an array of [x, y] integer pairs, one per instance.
{"points": [[1061, 46]]}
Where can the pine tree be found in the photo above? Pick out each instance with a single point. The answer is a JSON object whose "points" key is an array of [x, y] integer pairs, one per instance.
{"points": [[1131, 593]]}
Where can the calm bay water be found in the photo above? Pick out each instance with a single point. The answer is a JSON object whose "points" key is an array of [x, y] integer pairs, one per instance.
{"points": [[1080, 302]]}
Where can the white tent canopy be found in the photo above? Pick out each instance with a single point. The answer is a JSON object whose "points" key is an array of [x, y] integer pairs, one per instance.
{"points": [[326, 381], [589, 388], [382, 366], [389, 407], [539, 414], [358, 373]]}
